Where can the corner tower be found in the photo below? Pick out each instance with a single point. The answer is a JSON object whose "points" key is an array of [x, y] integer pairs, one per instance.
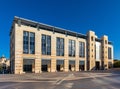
{"points": [[105, 52], [91, 50]]}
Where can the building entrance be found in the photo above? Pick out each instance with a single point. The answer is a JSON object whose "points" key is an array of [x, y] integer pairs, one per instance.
{"points": [[28, 65], [72, 65], [81, 65], [60, 65], [109, 64], [97, 65], [46, 65]]}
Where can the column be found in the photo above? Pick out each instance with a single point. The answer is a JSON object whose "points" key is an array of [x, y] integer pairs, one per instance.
{"points": [[66, 63], [77, 55]]}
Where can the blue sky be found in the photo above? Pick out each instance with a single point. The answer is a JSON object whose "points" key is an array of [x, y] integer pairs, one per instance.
{"points": [[101, 16]]}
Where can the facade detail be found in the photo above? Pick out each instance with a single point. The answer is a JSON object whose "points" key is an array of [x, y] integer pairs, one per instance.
{"points": [[4, 64], [37, 47]]}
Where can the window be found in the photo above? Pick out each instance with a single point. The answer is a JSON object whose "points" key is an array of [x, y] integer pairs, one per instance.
{"points": [[81, 49], [92, 56], [32, 43], [98, 51], [105, 41], [92, 44], [92, 50], [109, 53], [25, 42], [72, 48], [59, 46], [92, 38], [28, 42], [46, 45], [109, 64], [81, 65]]}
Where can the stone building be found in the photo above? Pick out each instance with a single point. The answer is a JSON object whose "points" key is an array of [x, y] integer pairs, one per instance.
{"points": [[4, 63], [36, 47]]}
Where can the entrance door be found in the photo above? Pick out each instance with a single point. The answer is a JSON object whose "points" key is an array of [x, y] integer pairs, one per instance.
{"points": [[81, 65], [28, 68], [46, 65], [28, 65], [109, 64], [97, 65], [72, 65], [44, 68], [60, 65]]}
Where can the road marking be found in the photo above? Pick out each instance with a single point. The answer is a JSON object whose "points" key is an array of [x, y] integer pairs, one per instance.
{"points": [[92, 75], [61, 80]]}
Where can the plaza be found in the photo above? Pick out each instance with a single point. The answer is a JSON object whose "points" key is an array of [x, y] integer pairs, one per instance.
{"points": [[106, 79]]}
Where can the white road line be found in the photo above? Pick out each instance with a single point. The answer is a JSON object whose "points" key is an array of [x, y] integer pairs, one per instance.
{"points": [[60, 81]]}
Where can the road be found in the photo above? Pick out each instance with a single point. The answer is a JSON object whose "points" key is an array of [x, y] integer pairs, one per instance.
{"points": [[70, 80]]}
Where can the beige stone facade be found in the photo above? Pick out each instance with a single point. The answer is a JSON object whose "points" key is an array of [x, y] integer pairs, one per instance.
{"points": [[4, 63], [19, 63]]}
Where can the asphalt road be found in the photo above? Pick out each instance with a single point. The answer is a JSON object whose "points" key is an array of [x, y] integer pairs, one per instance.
{"points": [[71, 80]]}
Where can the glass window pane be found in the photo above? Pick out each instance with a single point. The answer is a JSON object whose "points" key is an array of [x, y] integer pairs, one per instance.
{"points": [[71, 48], [60, 46], [32, 43], [81, 49], [46, 45], [25, 42]]}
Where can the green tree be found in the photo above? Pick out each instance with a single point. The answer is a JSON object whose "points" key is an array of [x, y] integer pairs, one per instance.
{"points": [[117, 64]]}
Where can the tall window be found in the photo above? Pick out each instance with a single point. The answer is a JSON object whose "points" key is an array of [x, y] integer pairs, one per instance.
{"points": [[109, 53], [60, 46], [25, 42], [28, 42], [81, 49], [98, 50], [71, 48], [92, 38], [46, 45], [32, 43]]}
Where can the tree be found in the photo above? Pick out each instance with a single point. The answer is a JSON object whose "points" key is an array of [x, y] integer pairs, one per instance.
{"points": [[117, 64]]}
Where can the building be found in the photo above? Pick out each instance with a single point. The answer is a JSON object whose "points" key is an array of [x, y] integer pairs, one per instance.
{"points": [[4, 63], [37, 47]]}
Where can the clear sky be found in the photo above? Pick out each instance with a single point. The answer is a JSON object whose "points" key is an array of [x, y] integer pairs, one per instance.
{"points": [[101, 16]]}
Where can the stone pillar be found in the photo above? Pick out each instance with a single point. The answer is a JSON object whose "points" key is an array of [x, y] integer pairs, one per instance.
{"points": [[91, 49], [77, 56], [38, 52], [53, 65], [85, 66], [105, 52], [77, 65], [49, 68], [18, 50], [66, 63], [53, 52], [37, 66]]}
